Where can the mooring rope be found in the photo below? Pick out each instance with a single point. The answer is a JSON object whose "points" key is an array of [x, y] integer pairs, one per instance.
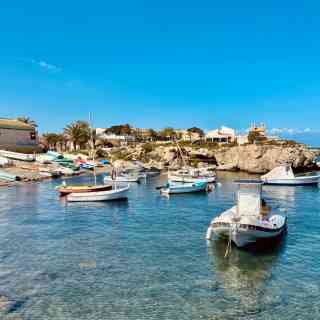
{"points": [[228, 250]]}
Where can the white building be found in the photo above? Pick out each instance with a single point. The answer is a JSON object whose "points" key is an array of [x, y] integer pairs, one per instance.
{"points": [[222, 135], [118, 139], [242, 139]]}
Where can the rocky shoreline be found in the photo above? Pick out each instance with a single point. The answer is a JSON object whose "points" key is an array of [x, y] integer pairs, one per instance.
{"points": [[253, 158]]}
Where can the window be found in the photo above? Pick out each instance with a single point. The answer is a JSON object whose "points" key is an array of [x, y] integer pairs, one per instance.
{"points": [[33, 135]]}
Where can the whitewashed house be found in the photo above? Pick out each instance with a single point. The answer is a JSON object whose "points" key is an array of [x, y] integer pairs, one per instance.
{"points": [[222, 135], [242, 139], [114, 138]]}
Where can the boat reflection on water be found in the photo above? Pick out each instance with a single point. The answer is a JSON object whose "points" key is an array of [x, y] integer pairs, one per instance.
{"points": [[118, 204], [245, 274], [280, 193]]}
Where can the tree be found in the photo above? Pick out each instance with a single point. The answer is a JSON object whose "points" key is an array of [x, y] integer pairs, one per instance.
{"points": [[78, 133], [62, 141], [196, 130], [50, 140], [153, 134], [122, 129], [167, 133], [27, 120]]}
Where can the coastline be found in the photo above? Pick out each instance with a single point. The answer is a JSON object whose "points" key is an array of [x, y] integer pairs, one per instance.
{"points": [[256, 159]]}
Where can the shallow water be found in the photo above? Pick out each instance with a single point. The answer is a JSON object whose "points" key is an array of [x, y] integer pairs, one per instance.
{"points": [[146, 258]]}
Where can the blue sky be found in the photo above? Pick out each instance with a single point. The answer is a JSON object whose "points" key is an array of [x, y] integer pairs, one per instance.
{"points": [[155, 64]]}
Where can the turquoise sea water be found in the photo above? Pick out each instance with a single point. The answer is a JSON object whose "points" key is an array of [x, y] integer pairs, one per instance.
{"points": [[146, 258]]}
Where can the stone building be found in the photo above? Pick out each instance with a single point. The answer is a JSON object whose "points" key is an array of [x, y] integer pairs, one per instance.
{"points": [[17, 134]]}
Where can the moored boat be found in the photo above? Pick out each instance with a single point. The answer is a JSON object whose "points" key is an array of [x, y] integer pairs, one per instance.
{"points": [[152, 172], [188, 174], [65, 189], [116, 193], [122, 177], [8, 176], [283, 175], [74, 190], [177, 188], [17, 155], [250, 220], [5, 162]]}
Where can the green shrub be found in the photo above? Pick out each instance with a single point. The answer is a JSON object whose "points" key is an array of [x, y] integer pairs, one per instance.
{"points": [[148, 147]]}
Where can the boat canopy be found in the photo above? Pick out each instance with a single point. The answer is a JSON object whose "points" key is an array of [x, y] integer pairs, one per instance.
{"points": [[249, 197], [281, 172]]}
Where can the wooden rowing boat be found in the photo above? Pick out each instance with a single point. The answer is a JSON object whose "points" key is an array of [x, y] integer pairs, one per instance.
{"points": [[64, 189]]}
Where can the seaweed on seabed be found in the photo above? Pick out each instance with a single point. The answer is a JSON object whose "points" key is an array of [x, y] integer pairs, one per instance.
{"points": [[9, 305]]}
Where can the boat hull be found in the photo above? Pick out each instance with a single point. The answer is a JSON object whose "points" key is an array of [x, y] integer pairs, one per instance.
{"points": [[185, 188], [115, 194], [81, 189], [243, 235], [121, 179], [190, 179], [298, 181], [17, 156]]}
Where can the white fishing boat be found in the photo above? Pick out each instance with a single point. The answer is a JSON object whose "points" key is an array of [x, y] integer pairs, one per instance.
{"points": [[17, 155], [116, 193], [176, 188], [250, 220], [4, 162], [121, 178], [191, 175], [49, 172], [118, 175], [44, 158], [152, 172], [283, 175], [93, 192]]}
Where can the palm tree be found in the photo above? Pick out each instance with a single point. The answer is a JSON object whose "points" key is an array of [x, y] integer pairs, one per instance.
{"points": [[62, 141], [78, 133], [27, 120], [51, 140]]}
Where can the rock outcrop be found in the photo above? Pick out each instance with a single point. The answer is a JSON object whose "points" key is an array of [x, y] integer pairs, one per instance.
{"points": [[250, 158], [263, 158]]}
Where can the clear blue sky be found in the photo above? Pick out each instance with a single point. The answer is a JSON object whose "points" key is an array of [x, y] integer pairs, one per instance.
{"points": [[159, 63]]}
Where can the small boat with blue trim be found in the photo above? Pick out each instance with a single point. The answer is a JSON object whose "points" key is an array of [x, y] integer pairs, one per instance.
{"points": [[176, 188]]}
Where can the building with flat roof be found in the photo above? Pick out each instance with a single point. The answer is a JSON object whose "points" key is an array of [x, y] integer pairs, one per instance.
{"points": [[15, 134], [222, 135]]}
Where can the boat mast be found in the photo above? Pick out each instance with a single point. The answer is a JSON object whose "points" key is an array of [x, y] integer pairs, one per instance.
{"points": [[180, 151], [92, 150]]}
